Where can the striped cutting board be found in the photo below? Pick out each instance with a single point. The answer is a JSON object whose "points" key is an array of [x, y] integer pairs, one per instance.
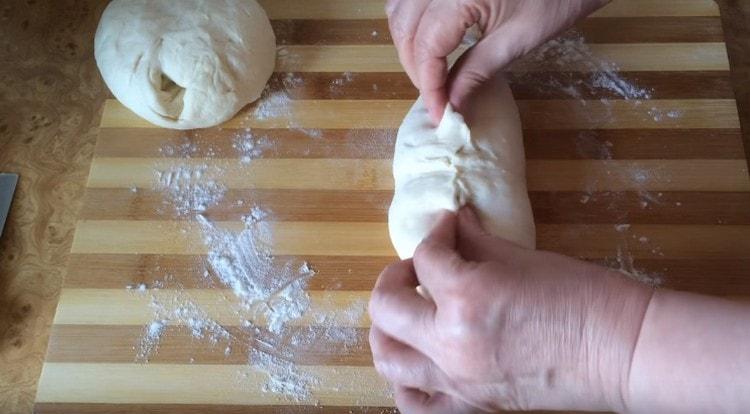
{"points": [[672, 167]]}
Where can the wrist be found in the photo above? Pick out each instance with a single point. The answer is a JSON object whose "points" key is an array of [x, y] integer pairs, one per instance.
{"points": [[617, 319], [613, 324]]}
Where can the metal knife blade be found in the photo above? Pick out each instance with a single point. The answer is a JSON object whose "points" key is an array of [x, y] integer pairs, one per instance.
{"points": [[7, 188]]}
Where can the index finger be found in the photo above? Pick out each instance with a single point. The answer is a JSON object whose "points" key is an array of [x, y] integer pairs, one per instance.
{"points": [[403, 21], [440, 32], [398, 310]]}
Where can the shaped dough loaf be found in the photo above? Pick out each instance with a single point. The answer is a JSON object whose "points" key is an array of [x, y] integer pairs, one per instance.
{"points": [[452, 165], [188, 63]]}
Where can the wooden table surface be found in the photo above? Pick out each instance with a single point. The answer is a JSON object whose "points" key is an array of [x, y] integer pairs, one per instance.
{"points": [[695, 161]]}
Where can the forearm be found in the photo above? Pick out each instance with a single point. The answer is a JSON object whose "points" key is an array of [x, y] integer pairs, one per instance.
{"points": [[692, 355]]}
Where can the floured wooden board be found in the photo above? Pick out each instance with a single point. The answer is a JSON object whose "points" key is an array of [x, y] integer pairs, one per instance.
{"points": [[634, 160]]}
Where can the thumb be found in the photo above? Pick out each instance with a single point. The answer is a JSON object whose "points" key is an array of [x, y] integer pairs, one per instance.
{"points": [[436, 259], [476, 244], [477, 66]]}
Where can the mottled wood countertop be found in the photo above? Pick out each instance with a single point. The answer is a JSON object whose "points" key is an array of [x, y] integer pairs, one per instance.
{"points": [[51, 97]]}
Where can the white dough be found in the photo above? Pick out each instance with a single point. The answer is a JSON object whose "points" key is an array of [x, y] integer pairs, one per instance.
{"points": [[185, 63], [452, 165]]}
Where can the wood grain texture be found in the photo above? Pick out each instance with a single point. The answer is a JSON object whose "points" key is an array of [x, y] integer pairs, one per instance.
{"points": [[662, 8], [678, 143], [371, 239], [113, 271], [50, 104], [529, 85], [594, 30], [158, 383], [367, 9], [366, 175], [735, 15], [655, 185], [554, 207], [536, 114], [115, 343], [626, 56], [103, 408], [126, 307]]}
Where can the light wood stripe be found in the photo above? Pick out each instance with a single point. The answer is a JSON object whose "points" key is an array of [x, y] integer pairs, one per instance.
{"points": [[114, 271], [308, 239], [367, 175], [126, 307], [93, 408], [114, 343], [626, 57], [218, 384], [536, 114], [636, 8], [553, 207], [289, 238], [369, 9]]}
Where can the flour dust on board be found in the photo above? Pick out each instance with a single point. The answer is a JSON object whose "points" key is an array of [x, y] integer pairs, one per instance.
{"points": [[243, 302], [264, 294]]}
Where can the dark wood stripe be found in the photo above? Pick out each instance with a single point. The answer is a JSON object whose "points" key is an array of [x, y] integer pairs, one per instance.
{"points": [[709, 277], [634, 144], [621, 85], [379, 143], [641, 208], [594, 30], [337, 85], [119, 344], [372, 206], [661, 29], [531, 85], [84, 408], [717, 277], [734, 18], [332, 32]]}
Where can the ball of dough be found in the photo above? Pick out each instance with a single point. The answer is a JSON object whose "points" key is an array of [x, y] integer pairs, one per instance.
{"points": [[188, 63], [446, 167]]}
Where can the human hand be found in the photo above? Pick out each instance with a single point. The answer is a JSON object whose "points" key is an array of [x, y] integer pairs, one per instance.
{"points": [[425, 32], [505, 328]]}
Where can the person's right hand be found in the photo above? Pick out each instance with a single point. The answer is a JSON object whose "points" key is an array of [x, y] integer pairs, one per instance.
{"points": [[425, 32], [505, 328]]}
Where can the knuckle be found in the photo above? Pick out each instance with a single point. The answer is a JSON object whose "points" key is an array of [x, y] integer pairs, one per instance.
{"points": [[424, 249], [390, 7], [377, 302]]}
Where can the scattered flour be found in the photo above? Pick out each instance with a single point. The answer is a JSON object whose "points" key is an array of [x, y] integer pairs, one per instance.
{"points": [[269, 291], [624, 264], [188, 189], [275, 105], [248, 146], [572, 50], [284, 377]]}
